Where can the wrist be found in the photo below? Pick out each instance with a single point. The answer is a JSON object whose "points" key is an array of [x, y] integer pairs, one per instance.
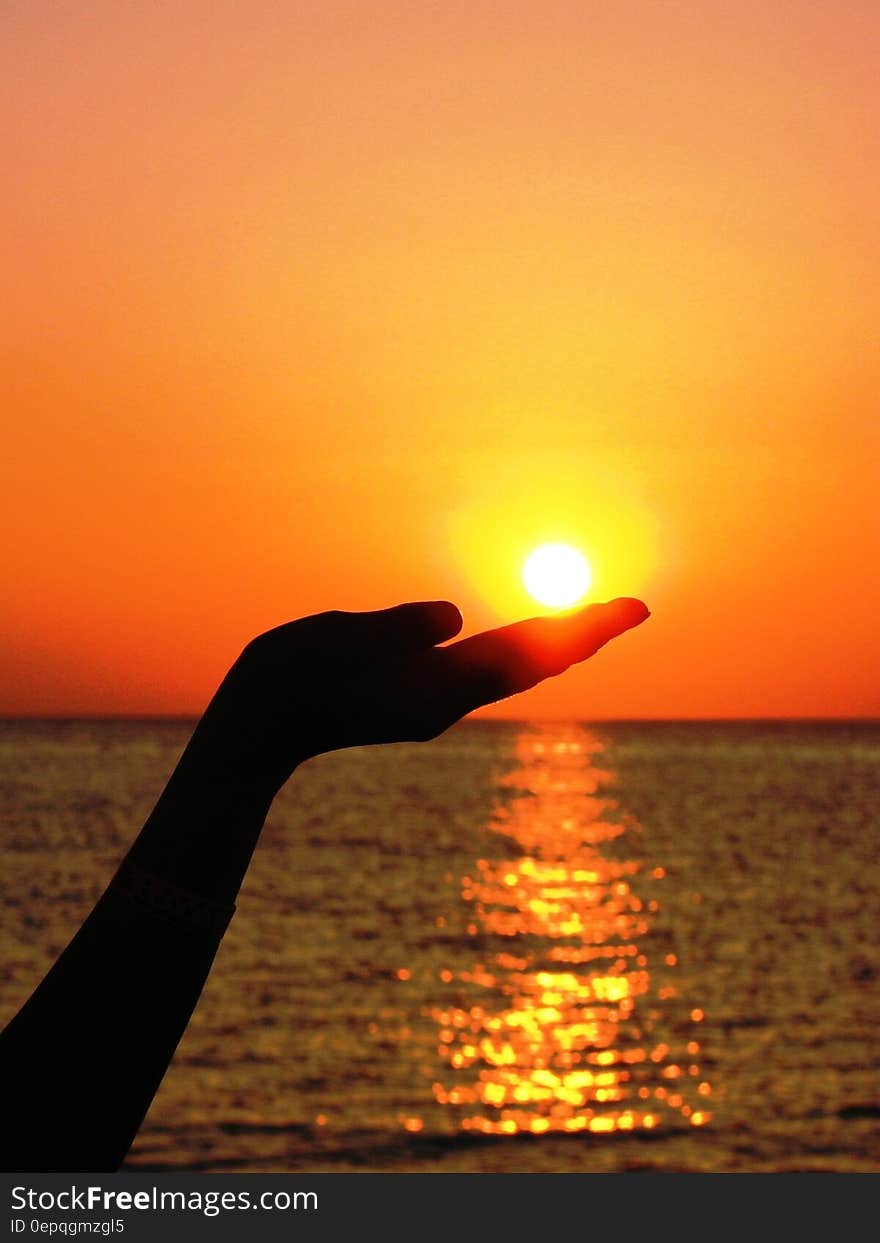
{"points": [[216, 782], [244, 753], [205, 826]]}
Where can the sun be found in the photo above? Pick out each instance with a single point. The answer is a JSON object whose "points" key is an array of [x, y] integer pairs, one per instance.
{"points": [[557, 575]]}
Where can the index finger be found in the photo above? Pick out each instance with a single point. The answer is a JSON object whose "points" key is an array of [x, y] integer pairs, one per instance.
{"points": [[503, 662]]}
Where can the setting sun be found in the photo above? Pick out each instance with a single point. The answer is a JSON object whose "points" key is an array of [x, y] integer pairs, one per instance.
{"points": [[557, 575]]}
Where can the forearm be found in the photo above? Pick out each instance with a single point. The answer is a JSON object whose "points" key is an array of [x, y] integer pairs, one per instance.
{"points": [[82, 1060]]}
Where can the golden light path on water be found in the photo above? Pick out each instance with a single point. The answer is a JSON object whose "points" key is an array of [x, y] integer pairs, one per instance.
{"points": [[562, 1038]]}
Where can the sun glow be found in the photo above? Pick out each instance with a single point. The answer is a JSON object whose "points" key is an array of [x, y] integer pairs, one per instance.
{"points": [[557, 575]]}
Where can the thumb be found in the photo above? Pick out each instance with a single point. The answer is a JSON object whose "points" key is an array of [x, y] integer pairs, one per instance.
{"points": [[405, 627]]}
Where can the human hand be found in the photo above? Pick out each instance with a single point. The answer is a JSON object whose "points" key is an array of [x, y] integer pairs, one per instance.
{"points": [[347, 679]]}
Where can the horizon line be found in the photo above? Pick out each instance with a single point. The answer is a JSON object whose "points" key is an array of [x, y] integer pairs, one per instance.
{"points": [[185, 717]]}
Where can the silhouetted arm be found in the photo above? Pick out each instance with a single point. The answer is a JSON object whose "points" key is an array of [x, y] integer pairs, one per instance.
{"points": [[81, 1061], [83, 1058]]}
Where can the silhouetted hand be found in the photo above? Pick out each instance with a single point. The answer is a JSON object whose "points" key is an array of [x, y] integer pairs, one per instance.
{"points": [[347, 679], [82, 1059]]}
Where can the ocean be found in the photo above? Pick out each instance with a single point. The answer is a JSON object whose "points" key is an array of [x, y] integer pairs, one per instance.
{"points": [[521, 947]]}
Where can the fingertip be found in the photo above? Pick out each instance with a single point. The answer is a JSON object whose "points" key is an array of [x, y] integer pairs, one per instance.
{"points": [[447, 618], [628, 611], [597, 624]]}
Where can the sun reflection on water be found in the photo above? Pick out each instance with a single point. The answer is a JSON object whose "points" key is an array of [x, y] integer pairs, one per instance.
{"points": [[566, 1032]]}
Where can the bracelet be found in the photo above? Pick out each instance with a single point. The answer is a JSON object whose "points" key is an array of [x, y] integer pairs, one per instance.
{"points": [[170, 902]]}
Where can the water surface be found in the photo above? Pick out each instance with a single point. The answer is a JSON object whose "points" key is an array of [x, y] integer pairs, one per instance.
{"points": [[521, 947]]}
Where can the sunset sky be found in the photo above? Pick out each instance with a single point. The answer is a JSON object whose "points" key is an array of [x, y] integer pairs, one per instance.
{"points": [[321, 305]]}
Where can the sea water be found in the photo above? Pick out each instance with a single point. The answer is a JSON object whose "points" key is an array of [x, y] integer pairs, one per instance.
{"points": [[523, 946]]}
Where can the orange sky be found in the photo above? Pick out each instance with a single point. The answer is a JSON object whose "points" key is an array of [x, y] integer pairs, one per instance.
{"points": [[326, 305]]}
